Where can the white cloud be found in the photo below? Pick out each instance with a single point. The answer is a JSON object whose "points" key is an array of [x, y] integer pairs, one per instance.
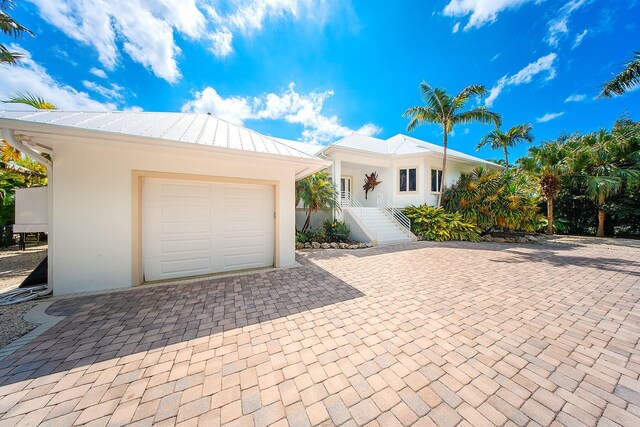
{"points": [[496, 56], [579, 97], [482, 12], [145, 29], [559, 26], [579, 38], [98, 73], [548, 117], [545, 64], [114, 92], [288, 105], [33, 78], [456, 28]]}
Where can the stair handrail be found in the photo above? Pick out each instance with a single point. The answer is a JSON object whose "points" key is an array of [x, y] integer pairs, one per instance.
{"points": [[348, 201], [394, 214]]}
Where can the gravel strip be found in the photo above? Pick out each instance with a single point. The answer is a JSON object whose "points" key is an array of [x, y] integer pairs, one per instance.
{"points": [[12, 325], [16, 265]]}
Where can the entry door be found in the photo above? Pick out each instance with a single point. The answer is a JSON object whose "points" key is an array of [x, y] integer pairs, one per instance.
{"points": [[191, 228], [345, 185]]}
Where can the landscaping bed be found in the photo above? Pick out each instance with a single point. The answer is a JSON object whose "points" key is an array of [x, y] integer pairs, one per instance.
{"points": [[513, 237], [333, 245]]}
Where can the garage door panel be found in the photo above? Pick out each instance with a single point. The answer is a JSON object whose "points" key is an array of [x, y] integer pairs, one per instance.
{"points": [[192, 228]]}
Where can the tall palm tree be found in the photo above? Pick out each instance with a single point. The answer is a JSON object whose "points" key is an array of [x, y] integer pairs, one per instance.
{"points": [[497, 139], [444, 110], [548, 164], [602, 161], [625, 81], [316, 192], [8, 154], [11, 28]]}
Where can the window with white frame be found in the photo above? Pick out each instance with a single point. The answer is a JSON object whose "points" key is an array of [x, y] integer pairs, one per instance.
{"points": [[436, 180], [408, 179]]}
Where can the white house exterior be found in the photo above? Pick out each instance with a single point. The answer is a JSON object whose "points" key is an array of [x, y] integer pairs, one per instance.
{"points": [[136, 197], [409, 170]]}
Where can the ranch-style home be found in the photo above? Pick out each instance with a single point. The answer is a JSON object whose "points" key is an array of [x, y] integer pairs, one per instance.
{"points": [[135, 197], [409, 172]]}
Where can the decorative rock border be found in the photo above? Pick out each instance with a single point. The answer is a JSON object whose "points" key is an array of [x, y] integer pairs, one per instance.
{"points": [[334, 245], [514, 238], [38, 316]]}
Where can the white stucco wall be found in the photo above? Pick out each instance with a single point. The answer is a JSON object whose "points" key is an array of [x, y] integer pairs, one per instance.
{"points": [[92, 205]]}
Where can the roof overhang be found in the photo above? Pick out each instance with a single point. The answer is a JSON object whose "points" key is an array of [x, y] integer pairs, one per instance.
{"points": [[42, 135]]}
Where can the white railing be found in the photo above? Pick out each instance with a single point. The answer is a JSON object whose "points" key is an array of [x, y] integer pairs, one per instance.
{"points": [[348, 201], [394, 214]]}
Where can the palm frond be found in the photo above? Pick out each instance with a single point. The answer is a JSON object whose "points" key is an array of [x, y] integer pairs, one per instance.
{"points": [[478, 114], [469, 91], [625, 81], [8, 57], [11, 28], [32, 100]]}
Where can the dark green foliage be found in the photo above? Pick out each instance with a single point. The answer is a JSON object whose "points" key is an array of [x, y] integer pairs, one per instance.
{"points": [[435, 224], [336, 231]]}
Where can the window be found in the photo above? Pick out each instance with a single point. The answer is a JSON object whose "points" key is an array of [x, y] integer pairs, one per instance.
{"points": [[345, 185], [408, 179], [436, 180]]}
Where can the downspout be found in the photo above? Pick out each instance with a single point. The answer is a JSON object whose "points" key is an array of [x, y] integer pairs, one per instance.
{"points": [[9, 136]]}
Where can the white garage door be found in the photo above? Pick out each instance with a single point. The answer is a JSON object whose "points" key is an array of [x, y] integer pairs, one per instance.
{"points": [[193, 227]]}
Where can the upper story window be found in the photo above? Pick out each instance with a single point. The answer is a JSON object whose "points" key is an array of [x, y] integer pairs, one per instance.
{"points": [[408, 179], [436, 180]]}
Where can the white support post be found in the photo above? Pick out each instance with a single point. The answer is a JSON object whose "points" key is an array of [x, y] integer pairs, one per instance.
{"points": [[336, 174]]}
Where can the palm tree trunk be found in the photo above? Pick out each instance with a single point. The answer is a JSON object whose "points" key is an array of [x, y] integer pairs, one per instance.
{"points": [[506, 157], [601, 201], [306, 222], [550, 216], [444, 166]]}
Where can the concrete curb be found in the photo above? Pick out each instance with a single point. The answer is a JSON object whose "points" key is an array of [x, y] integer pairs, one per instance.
{"points": [[38, 316]]}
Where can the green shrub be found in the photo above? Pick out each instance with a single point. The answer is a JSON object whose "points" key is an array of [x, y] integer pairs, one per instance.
{"points": [[316, 235], [490, 199], [435, 224], [301, 237], [336, 231]]}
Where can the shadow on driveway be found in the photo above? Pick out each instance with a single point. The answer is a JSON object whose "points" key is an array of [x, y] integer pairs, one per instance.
{"points": [[113, 325]]}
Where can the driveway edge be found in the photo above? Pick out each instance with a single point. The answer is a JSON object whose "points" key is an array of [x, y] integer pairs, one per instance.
{"points": [[38, 316]]}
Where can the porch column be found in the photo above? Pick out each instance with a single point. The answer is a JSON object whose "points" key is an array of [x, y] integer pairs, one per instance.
{"points": [[336, 174]]}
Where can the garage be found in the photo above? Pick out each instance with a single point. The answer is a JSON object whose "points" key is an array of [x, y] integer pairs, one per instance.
{"points": [[192, 228]]}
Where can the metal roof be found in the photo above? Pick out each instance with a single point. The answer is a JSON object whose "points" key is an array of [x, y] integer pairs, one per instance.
{"points": [[192, 128], [399, 145]]}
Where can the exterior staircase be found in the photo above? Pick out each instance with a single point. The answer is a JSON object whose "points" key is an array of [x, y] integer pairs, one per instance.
{"points": [[381, 225]]}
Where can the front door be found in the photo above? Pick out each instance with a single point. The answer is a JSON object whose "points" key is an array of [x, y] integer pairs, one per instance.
{"points": [[345, 185]]}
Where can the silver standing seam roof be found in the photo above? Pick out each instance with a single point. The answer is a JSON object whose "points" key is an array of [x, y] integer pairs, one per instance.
{"points": [[192, 128]]}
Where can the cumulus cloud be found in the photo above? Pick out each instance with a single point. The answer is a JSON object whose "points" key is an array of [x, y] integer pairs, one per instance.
{"points": [[545, 64], [559, 26], [548, 117], [98, 72], [578, 97], [482, 12], [33, 78], [145, 29], [288, 105], [114, 92]]}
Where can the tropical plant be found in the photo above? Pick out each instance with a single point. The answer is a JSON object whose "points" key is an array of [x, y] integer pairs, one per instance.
{"points": [[547, 164], [11, 28], [336, 231], [493, 199], [444, 110], [32, 100], [625, 81], [605, 164], [316, 192], [499, 140], [435, 224]]}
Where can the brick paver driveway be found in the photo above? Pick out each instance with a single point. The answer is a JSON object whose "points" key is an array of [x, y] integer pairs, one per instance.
{"points": [[425, 334]]}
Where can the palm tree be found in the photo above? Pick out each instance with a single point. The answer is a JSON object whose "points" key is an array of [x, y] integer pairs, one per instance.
{"points": [[444, 110], [316, 192], [9, 27], [497, 139], [626, 80], [8, 154], [602, 161], [548, 164]]}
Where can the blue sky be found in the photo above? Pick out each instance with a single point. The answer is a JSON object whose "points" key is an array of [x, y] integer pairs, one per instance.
{"points": [[317, 71]]}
